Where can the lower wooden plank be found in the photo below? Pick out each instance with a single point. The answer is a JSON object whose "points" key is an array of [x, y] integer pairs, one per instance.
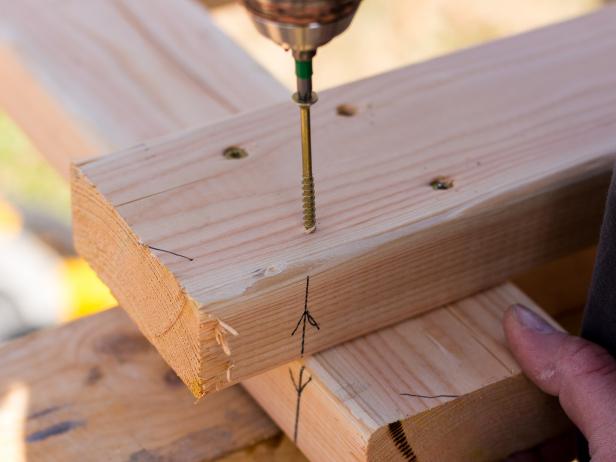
{"points": [[439, 387], [276, 449], [96, 390]]}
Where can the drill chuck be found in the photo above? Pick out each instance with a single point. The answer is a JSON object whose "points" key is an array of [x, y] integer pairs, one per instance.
{"points": [[301, 25]]}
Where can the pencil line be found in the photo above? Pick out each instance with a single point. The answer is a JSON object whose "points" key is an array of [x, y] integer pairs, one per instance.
{"points": [[169, 251], [305, 317], [412, 395], [299, 387]]}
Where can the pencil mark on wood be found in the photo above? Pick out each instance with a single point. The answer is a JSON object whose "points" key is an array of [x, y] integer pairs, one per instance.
{"points": [[170, 252], [412, 395], [299, 386], [54, 430], [402, 444], [305, 317]]}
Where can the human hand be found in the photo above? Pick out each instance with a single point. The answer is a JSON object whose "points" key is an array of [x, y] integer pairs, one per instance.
{"points": [[580, 373]]}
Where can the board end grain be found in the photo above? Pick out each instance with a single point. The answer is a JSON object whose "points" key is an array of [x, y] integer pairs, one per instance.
{"points": [[155, 300]]}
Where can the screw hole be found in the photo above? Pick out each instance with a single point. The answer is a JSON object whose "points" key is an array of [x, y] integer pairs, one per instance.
{"points": [[346, 110], [234, 152], [442, 183]]}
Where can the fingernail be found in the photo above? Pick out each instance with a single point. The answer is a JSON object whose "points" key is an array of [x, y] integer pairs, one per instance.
{"points": [[531, 320]]}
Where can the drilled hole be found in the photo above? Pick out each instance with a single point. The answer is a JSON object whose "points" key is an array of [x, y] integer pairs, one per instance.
{"points": [[234, 152], [346, 110], [442, 182]]}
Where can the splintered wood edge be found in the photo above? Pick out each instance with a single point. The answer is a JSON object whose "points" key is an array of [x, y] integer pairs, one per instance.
{"points": [[120, 259], [456, 430], [178, 326]]}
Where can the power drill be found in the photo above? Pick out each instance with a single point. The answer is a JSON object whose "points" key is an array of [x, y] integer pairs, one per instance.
{"points": [[302, 26]]}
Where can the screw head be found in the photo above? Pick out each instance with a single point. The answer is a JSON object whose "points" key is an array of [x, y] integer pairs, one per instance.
{"points": [[346, 110], [234, 152], [442, 182]]}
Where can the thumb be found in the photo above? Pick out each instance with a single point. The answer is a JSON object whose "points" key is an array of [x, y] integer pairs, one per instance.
{"points": [[580, 373]]}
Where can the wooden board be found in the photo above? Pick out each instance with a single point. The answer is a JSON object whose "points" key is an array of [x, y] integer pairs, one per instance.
{"points": [[80, 78], [96, 390], [560, 286], [49, 127], [353, 408], [530, 160], [112, 74]]}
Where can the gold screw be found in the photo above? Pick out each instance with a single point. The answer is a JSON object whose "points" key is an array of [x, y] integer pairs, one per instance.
{"points": [[310, 223], [308, 180], [309, 209]]}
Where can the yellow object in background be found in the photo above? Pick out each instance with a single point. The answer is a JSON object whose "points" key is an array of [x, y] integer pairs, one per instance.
{"points": [[10, 219], [86, 292], [27, 179]]}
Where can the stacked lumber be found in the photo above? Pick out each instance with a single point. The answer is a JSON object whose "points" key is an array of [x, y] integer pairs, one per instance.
{"points": [[207, 253], [94, 389], [440, 387]]}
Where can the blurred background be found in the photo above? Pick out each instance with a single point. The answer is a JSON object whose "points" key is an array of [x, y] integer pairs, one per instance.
{"points": [[43, 282]]}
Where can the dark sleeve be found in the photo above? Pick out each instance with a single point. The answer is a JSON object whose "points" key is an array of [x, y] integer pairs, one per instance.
{"points": [[599, 324]]}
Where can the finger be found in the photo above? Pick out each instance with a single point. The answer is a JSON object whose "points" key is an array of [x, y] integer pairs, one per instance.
{"points": [[580, 373]]}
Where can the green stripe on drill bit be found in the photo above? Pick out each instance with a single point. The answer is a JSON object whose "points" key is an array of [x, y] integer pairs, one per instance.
{"points": [[303, 69]]}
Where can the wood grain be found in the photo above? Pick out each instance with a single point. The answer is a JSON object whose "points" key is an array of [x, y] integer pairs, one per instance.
{"points": [[354, 407], [81, 78], [525, 127], [49, 126], [96, 390], [121, 72]]}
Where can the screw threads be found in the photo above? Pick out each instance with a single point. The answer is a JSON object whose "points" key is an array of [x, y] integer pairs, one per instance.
{"points": [[309, 205], [310, 223]]}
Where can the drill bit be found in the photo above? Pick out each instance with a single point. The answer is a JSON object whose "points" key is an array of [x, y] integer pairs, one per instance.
{"points": [[304, 98]]}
